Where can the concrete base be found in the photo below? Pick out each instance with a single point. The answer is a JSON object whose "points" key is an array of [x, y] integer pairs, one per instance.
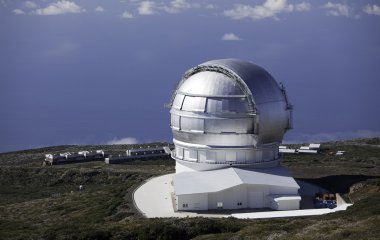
{"points": [[154, 199]]}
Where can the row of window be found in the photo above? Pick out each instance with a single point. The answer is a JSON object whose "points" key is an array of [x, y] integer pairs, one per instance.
{"points": [[218, 205], [212, 156], [210, 104], [243, 125]]}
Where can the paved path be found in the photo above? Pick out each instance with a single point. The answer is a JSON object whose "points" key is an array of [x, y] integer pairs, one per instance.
{"points": [[294, 213], [153, 199]]}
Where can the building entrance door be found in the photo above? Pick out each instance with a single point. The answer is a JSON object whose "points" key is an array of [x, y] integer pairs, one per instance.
{"points": [[256, 200]]}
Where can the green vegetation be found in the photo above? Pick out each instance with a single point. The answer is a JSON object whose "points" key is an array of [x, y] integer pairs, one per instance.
{"points": [[360, 158], [39, 202]]}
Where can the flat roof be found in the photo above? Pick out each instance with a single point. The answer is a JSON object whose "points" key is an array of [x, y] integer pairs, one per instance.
{"points": [[218, 180], [287, 150], [314, 145], [280, 198], [307, 151]]}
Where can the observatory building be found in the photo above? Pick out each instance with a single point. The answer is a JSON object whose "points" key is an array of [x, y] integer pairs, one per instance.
{"points": [[228, 118]]}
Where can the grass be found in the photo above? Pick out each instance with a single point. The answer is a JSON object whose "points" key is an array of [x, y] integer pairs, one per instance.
{"points": [[39, 202]]}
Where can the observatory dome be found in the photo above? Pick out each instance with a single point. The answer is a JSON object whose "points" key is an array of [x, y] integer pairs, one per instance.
{"points": [[228, 112]]}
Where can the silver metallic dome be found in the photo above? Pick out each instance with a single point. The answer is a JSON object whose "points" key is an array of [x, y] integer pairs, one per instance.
{"points": [[228, 112]]}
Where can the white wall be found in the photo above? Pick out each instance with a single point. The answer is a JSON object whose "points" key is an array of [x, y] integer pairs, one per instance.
{"points": [[289, 205], [229, 197], [285, 205], [181, 168], [239, 194], [193, 201], [259, 188]]}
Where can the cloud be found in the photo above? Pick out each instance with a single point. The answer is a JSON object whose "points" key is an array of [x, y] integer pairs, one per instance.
{"points": [[334, 136], [230, 37], [373, 10], [60, 7], [127, 140], [338, 9], [99, 9], [127, 14], [180, 4], [146, 8], [210, 6], [176, 6], [30, 4], [18, 11], [269, 9], [302, 7]]}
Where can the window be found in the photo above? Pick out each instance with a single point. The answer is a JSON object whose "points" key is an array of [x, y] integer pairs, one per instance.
{"points": [[185, 205], [179, 152], [219, 105], [175, 119], [240, 156], [230, 156], [221, 156], [239, 203], [243, 125], [196, 104], [219, 205], [249, 155], [202, 156], [238, 105], [211, 156], [214, 105], [259, 155], [192, 124], [178, 100], [191, 155]]}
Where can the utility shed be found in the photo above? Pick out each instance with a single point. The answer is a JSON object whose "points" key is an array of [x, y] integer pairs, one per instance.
{"points": [[307, 151], [236, 188], [314, 146], [285, 202], [288, 150]]}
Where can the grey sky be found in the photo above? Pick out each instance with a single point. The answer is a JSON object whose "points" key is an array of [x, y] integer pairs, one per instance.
{"points": [[91, 72]]}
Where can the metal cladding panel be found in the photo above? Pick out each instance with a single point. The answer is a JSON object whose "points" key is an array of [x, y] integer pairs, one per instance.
{"points": [[262, 85], [210, 84], [210, 139], [244, 125], [174, 121], [273, 122], [196, 104], [192, 124], [232, 105], [178, 100]]}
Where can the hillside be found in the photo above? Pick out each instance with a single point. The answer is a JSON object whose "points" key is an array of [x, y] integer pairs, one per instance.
{"points": [[40, 202]]}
